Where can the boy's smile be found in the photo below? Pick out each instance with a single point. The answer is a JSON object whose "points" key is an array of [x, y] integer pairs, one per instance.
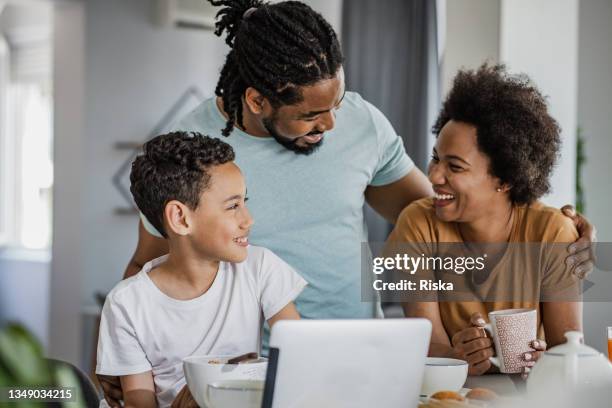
{"points": [[242, 241]]}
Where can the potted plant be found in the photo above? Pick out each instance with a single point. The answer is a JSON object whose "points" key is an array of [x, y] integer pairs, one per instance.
{"points": [[22, 364]]}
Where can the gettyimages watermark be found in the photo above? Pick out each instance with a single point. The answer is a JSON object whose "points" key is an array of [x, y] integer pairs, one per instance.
{"points": [[508, 272]]}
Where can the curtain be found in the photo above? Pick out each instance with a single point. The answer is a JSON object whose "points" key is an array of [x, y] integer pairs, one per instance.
{"points": [[391, 56]]}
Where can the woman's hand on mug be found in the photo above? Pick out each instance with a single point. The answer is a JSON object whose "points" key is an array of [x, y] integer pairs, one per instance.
{"points": [[530, 357], [473, 345]]}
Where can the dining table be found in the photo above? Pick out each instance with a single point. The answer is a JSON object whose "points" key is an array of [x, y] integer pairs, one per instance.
{"points": [[506, 385]]}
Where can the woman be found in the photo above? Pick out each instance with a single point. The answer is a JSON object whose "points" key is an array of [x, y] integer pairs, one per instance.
{"points": [[495, 150]]}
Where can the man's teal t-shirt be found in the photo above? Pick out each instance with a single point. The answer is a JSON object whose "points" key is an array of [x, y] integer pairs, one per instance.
{"points": [[308, 209]]}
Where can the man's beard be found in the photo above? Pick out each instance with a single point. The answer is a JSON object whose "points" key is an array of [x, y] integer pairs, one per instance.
{"points": [[288, 143]]}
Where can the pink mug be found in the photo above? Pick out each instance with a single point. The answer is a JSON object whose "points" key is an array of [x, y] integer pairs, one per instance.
{"points": [[512, 331]]}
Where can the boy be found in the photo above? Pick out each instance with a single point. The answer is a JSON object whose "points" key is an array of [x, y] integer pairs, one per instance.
{"points": [[210, 294]]}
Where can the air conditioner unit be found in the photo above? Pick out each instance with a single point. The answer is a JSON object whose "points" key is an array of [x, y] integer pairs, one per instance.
{"points": [[185, 13]]}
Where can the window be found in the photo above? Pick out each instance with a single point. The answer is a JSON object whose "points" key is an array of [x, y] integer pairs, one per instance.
{"points": [[5, 165], [30, 124], [26, 142]]}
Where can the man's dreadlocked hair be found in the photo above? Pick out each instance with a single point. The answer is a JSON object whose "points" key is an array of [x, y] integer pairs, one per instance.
{"points": [[276, 48]]}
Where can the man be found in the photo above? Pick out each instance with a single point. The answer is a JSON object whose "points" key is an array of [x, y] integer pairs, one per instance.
{"points": [[312, 154]]}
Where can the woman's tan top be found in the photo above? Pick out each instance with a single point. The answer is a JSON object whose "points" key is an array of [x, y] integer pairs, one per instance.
{"points": [[522, 275]]}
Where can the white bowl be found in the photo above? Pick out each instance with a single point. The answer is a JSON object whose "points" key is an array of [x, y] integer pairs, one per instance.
{"points": [[199, 372], [235, 393], [443, 374]]}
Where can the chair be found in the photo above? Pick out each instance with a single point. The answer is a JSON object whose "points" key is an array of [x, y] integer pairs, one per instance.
{"points": [[87, 388]]}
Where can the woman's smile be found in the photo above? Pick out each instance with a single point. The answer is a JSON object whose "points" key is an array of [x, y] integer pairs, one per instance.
{"points": [[442, 198]]}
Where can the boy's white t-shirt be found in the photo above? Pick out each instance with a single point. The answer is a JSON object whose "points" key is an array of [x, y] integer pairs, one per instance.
{"points": [[142, 329]]}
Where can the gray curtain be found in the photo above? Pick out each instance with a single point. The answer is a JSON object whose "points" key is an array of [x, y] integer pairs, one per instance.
{"points": [[391, 55]]}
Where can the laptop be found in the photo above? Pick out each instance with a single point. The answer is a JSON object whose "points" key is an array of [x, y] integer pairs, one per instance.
{"points": [[346, 363]]}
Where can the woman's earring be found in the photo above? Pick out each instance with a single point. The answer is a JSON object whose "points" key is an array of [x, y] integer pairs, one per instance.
{"points": [[499, 189]]}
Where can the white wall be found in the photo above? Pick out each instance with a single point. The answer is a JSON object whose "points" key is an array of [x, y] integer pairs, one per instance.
{"points": [[595, 117], [68, 155], [331, 10], [540, 38], [472, 36], [24, 290], [595, 110]]}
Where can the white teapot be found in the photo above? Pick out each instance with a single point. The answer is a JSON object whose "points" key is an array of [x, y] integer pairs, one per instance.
{"points": [[570, 366]]}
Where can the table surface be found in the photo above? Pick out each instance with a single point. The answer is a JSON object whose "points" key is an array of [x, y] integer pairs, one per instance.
{"points": [[502, 384]]}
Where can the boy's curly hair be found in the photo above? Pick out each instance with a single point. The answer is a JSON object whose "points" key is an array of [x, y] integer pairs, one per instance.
{"points": [[174, 166], [514, 128]]}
